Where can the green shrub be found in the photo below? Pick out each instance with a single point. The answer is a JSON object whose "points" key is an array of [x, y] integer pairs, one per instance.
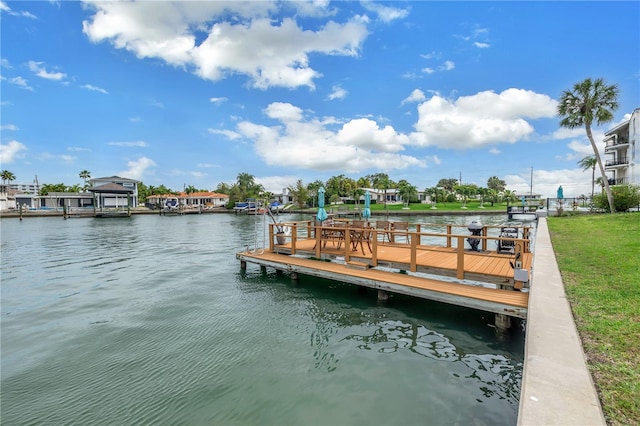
{"points": [[624, 198]]}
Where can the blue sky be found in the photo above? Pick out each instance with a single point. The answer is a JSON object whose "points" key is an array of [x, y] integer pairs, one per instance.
{"points": [[193, 93]]}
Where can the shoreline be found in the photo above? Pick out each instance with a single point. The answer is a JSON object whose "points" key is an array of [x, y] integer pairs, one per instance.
{"points": [[145, 211]]}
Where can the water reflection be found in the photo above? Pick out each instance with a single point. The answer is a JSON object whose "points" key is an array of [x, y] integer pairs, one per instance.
{"points": [[459, 343]]}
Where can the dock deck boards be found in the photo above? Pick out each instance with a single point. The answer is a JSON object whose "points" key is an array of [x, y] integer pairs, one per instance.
{"points": [[488, 265], [508, 302]]}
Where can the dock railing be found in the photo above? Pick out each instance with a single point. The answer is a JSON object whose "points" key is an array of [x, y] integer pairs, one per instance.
{"points": [[416, 238]]}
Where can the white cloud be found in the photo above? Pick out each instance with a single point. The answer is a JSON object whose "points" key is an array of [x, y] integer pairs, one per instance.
{"points": [[20, 82], [276, 184], [435, 159], [565, 133], [67, 158], [480, 45], [10, 151], [137, 168], [416, 96], [218, 101], [206, 165], [42, 72], [385, 13], [494, 151], [546, 182], [432, 55], [135, 119], [581, 150], [337, 93], [139, 144], [312, 143], [269, 52], [78, 149], [5, 63], [483, 119], [9, 127], [95, 88], [5, 8], [428, 70], [228, 133], [447, 66]]}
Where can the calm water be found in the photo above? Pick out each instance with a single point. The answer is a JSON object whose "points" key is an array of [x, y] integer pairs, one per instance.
{"points": [[149, 320]]}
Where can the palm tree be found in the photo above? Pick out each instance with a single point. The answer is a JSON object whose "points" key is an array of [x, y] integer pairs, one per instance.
{"points": [[74, 188], [590, 162], [84, 175], [590, 101], [407, 191], [7, 176]]}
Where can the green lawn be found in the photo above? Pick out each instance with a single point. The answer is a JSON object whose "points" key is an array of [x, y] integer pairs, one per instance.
{"points": [[599, 259]]}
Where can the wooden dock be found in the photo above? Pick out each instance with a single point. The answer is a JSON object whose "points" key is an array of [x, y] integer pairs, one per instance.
{"points": [[483, 279], [507, 302]]}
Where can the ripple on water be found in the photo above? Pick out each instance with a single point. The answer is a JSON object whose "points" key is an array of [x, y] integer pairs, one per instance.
{"points": [[151, 321]]}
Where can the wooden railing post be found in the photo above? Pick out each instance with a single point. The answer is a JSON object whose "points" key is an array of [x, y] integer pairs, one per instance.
{"points": [[484, 240], [460, 251], [374, 249], [448, 235], [414, 249], [347, 243], [271, 225], [294, 236], [525, 235]]}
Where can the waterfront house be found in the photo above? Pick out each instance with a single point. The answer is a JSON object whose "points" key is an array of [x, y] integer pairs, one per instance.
{"points": [[7, 198], [203, 199], [55, 200], [621, 144], [114, 191]]}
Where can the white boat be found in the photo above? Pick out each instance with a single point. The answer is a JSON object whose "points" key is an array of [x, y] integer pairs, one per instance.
{"points": [[171, 205]]}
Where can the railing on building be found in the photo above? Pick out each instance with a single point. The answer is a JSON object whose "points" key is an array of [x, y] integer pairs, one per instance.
{"points": [[616, 142], [617, 162]]}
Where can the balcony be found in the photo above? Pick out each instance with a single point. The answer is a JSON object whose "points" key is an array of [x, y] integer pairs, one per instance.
{"points": [[618, 143], [623, 161], [618, 181]]}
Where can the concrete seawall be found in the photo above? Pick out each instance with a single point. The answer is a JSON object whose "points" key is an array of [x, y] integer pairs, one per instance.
{"points": [[557, 388]]}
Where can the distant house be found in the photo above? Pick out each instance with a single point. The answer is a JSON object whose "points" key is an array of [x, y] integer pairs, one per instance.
{"points": [[7, 198], [204, 199], [114, 191], [378, 195], [55, 200], [194, 199]]}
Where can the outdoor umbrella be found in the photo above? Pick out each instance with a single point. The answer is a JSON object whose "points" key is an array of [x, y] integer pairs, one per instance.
{"points": [[322, 213], [366, 212], [559, 193]]}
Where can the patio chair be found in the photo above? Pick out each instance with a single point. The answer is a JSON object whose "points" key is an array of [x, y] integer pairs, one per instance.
{"points": [[385, 226], [401, 229], [360, 233]]}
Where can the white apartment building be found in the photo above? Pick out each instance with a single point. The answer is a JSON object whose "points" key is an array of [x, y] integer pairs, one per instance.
{"points": [[621, 155]]}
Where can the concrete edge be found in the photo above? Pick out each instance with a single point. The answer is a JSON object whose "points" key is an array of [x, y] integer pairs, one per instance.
{"points": [[557, 388]]}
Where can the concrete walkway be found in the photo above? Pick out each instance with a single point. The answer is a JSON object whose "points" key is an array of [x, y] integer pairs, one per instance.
{"points": [[556, 386]]}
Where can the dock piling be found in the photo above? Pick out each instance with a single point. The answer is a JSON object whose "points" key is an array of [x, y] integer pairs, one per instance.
{"points": [[503, 322]]}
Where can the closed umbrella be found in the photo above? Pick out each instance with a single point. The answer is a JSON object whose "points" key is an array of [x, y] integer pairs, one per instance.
{"points": [[366, 212], [322, 213]]}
